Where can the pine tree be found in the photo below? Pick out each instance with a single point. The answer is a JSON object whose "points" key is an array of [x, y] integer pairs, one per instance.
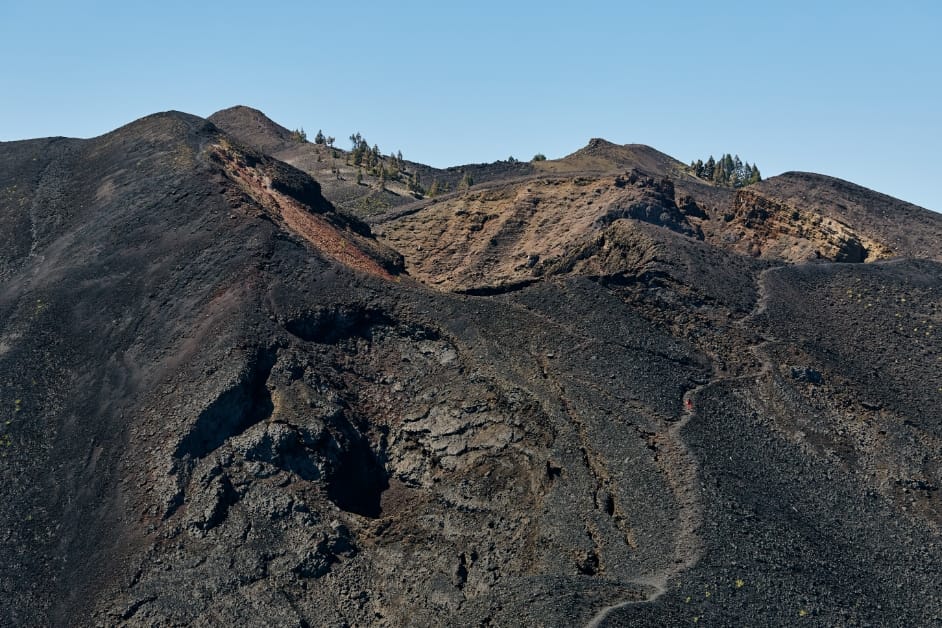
{"points": [[709, 167], [414, 184], [361, 153], [719, 174], [729, 167], [754, 176], [319, 138]]}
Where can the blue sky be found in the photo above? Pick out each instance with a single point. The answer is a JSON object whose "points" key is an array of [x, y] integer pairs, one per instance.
{"points": [[850, 89]]}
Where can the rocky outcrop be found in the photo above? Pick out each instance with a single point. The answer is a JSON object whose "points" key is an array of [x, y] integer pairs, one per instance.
{"points": [[761, 227], [653, 202]]}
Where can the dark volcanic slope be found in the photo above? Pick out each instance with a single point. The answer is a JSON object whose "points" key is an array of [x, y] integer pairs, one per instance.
{"points": [[253, 128], [606, 394], [820, 469], [136, 253]]}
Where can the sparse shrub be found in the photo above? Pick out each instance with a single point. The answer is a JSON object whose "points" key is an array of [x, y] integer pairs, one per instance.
{"points": [[539, 157]]}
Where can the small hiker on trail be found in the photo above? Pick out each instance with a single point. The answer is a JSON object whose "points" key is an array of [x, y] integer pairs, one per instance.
{"points": [[688, 405]]}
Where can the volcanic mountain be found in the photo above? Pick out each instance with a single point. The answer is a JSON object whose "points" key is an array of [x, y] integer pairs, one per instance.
{"points": [[239, 387]]}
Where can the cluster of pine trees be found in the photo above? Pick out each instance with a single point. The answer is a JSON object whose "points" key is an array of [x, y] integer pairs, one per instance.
{"points": [[320, 138], [362, 154], [728, 170], [386, 168]]}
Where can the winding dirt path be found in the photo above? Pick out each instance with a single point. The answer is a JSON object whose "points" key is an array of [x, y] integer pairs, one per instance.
{"points": [[683, 471]]}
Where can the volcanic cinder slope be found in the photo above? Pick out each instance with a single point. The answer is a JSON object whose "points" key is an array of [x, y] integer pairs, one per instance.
{"points": [[589, 391]]}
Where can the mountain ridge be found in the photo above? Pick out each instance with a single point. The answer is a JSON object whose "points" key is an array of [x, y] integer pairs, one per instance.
{"points": [[232, 394]]}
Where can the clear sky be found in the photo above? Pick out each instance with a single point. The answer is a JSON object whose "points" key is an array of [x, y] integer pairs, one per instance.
{"points": [[850, 89]]}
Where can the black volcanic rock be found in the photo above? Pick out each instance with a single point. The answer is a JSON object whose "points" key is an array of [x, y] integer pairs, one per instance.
{"points": [[226, 402], [253, 128], [656, 205]]}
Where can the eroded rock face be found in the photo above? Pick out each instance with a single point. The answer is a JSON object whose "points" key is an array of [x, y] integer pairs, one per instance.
{"points": [[505, 236], [883, 224], [654, 204], [762, 227], [400, 460]]}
